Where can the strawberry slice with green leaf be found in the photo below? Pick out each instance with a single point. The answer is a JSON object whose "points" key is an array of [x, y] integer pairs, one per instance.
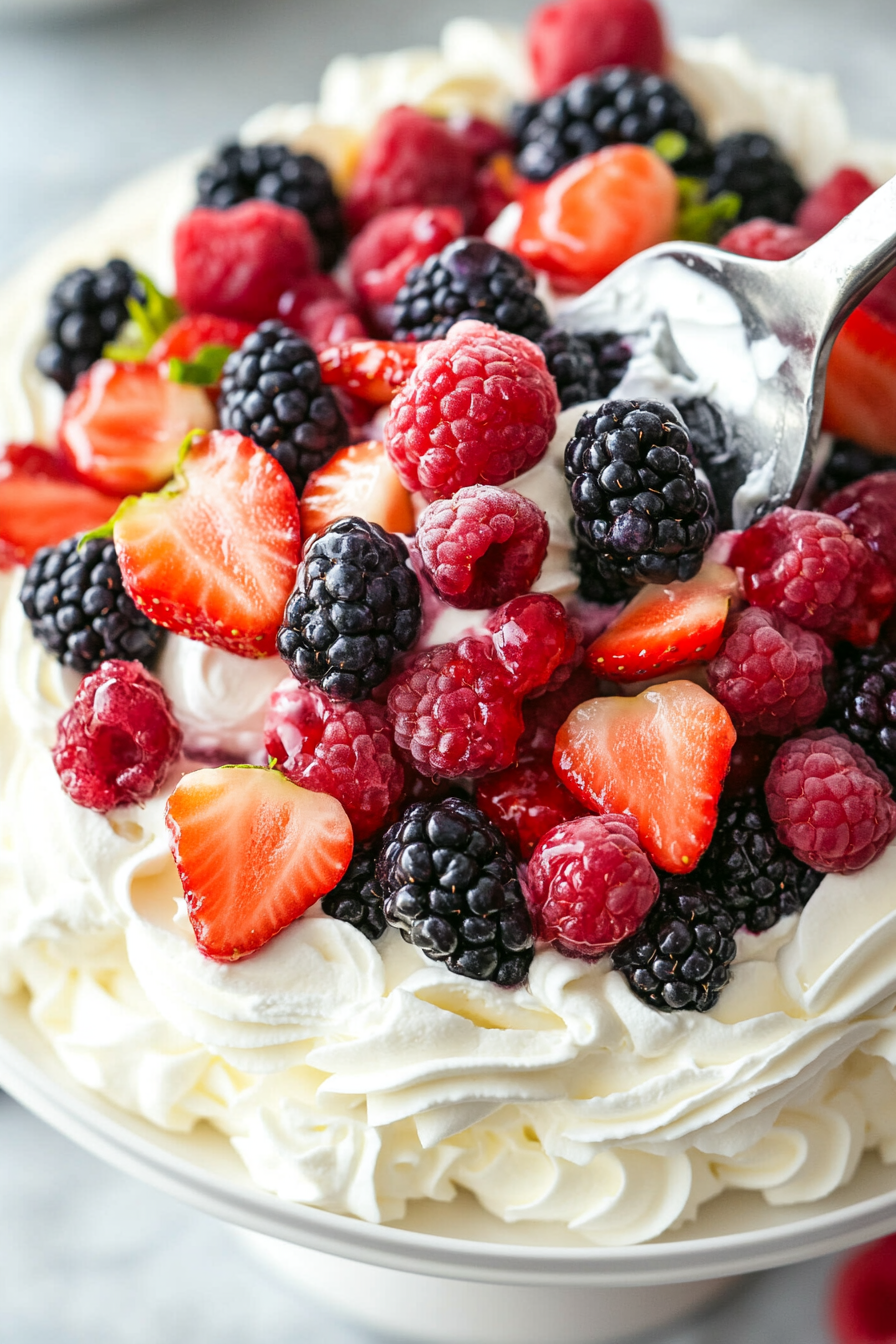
{"points": [[42, 502], [358, 482], [191, 333]]}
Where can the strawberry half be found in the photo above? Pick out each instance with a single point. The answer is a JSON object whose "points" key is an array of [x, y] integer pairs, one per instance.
{"points": [[666, 626], [42, 502], [214, 556], [186, 337], [253, 851], [660, 756], [860, 395], [371, 370], [357, 482]]}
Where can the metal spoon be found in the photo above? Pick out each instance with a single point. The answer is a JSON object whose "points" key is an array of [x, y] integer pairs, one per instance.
{"points": [[754, 335]]}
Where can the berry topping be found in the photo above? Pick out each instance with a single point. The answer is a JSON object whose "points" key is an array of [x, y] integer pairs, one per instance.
{"points": [[590, 884], [575, 37], [480, 407], [253, 851], [863, 704], [765, 240], [525, 801], [752, 165], [359, 481], [117, 742], [483, 546], [449, 884], [660, 756], [868, 508], [390, 245], [371, 370], [584, 366], [863, 1307], [768, 674], [214, 555], [320, 310], [716, 452], [87, 309], [356, 605], [829, 802], [356, 898], [187, 336], [42, 502], [469, 280], [535, 641]]}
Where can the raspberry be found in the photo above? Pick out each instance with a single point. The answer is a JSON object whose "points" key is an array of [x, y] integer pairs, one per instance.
{"points": [[832, 201], [544, 715], [811, 569], [483, 546], [578, 36], [386, 249], [765, 240], [344, 750], [868, 508], [863, 1304], [480, 406], [534, 638], [768, 674], [116, 743], [525, 801], [321, 311], [590, 884], [829, 802]]}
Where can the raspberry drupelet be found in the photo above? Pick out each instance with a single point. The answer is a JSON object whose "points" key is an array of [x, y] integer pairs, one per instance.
{"points": [[483, 546], [768, 674]]}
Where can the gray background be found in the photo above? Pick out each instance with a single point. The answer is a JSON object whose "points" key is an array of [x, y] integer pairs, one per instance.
{"points": [[88, 1256]]}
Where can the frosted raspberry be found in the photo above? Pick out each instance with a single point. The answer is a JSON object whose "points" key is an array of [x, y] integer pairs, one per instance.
{"points": [[483, 546], [811, 568], [480, 406], [118, 740], [868, 508], [525, 801], [766, 240], [768, 674], [341, 749], [590, 884], [829, 802], [534, 639], [386, 249]]}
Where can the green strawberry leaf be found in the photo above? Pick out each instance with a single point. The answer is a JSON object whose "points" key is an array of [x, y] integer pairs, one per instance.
{"points": [[203, 370], [148, 321], [700, 220]]}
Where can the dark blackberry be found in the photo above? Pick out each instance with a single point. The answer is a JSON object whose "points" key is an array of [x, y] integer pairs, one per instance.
{"points": [[598, 581], [449, 884], [681, 956], [79, 610], [637, 500], [862, 704], [715, 451], [272, 391], [275, 173], [87, 309], [356, 605], [753, 166], [609, 108], [849, 462], [469, 278], [746, 867], [584, 365], [356, 898]]}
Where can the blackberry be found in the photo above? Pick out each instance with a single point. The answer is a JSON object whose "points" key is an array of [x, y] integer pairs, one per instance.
{"points": [[753, 166], [849, 462], [715, 451], [356, 898], [275, 173], [356, 605], [614, 106], [682, 953], [584, 365], [449, 885], [87, 309], [79, 610], [272, 392], [601, 585], [635, 493], [469, 278], [756, 878], [862, 705]]}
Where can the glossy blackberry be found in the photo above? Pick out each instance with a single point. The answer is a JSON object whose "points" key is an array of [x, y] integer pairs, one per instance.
{"points": [[469, 278], [862, 705], [272, 391], [87, 309], [584, 365], [356, 898], [637, 500], [753, 166], [849, 462], [275, 173], [356, 605], [681, 956], [449, 884], [746, 867], [598, 581], [715, 451], [615, 106], [79, 610]]}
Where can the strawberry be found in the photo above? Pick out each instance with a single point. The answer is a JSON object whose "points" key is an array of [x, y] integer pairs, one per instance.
{"points": [[42, 502], [254, 852], [357, 482], [390, 244], [214, 556], [666, 626], [575, 37], [372, 370], [123, 425], [186, 337], [660, 756], [860, 396]]}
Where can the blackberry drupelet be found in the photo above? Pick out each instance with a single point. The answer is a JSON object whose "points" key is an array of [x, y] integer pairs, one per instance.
{"points": [[715, 451], [849, 462], [275, 173], [468, 279], [615, 106], [79, 610], [753, 166], [584, 365], [356, 605], [680, 958], [356, 898], [449, 884], [637, 500], [87, 309], [273, 393], [862, 705]]}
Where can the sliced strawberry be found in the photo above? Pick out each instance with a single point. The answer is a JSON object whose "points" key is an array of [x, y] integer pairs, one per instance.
{"points": [[660, 756], [860, 396], [357, 482], [42, 502], [186, 337], [373, 370], [254, 852], [215, 555], [123, 425], [666, 627]]}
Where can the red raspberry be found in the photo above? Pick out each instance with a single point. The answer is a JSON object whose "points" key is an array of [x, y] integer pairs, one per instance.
{"points": [[578, 36], [237, 262], [455, 711], [118, 740], [868, 508], [768, 674], [544, 715], [832, 201], [341, 749], [750, 760], [321, 311], [483, 546], [863, 1307], [590, 884], [480, 138], [386, 248], [534, 638], [829, 802], [526, 801], [810, 568], [765, 240], [480, 406]]}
